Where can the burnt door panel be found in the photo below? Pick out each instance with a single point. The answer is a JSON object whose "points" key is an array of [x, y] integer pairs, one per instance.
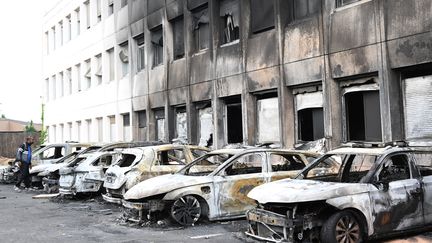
{"points": [[234, 183]]}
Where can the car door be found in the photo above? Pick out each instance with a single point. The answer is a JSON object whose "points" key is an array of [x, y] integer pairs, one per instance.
{"points": [[397, 203], [234, 181], [284, 165], [423, 162]]}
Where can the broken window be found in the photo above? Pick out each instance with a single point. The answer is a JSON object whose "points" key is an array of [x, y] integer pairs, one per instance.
{"points": [[181, 123], [171, 157], [52, 153], [285, 162], [142, 125], [234, 120], [126, 127], [394, 168], [201, 28], [104, 161], [310, 119], [126, 160], [363, 115], [340, 3], [124, 58], [262, 16], [140, 52], [423, 162], [246, 164], [160, 124], [304, 8], [88, 74], [417, 95], [178, 37], [205, 124], [268, 118], [157, 46], [229, 16], [111, 70], [356, 167]]}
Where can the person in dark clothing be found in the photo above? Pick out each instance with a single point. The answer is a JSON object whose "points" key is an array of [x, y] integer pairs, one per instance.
{"points": [[24, 155]]}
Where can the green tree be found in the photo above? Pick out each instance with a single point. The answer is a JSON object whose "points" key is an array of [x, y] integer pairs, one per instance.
{"points": [[29, 128], [3, 116]]}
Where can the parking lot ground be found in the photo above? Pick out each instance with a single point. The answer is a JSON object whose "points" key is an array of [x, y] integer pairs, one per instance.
{"points": [[23, 219]]}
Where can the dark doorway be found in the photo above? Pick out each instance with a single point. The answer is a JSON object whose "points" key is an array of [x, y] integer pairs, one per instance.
{"points": [[363, 116], [234, 120], [311, 124]]}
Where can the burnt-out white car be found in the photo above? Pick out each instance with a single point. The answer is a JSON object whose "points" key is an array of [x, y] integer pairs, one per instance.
{"points": [[136, 165], [377, 192], [215, 185]]}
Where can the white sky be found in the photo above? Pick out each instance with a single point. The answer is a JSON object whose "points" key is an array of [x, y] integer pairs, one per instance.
{"points": [[21, 58]]}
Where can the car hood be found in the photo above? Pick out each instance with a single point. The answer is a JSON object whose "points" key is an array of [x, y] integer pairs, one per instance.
{"points": [[164, 184], [119, 176], [294, 191], [39, 168]]}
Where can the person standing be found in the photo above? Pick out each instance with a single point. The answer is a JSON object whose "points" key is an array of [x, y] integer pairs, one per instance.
{"points": [[24, 155]]}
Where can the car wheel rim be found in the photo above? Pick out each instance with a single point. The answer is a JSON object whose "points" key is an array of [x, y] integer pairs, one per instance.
{"points": [[186, 210], [347, 230]]}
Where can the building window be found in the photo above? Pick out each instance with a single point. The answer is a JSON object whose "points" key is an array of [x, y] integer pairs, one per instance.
{"points": [[47, 43], [157, 46], [110, 7], [142, 125], [54, 42], [69, 80], [98, 11], [54, 87], [181, 123], [363, 116], [98, 73], [140, 52], [69, 129], [304, 8], [88, 74], [340, 3], [87, 11], [229, 17], [417, 97], [262, 16], [78, 21], [124, 58], [100, 128], [268, 118], [113, 129], [234, 120], [205, 123], [126, 127], [111, 70], [78, 77], [47, 89], [78, 130], [201, 28], [68, 28], [309, 108], [61, 84], [123, 3], [61, 33], [159, 115], [89, 129], [178, 37]]}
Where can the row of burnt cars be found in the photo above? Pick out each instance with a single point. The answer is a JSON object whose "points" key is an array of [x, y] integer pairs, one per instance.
{"points": [[350, 194]]}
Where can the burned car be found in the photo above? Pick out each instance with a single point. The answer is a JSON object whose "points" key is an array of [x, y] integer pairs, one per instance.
{"points": [[215, 185], [375, 192], [86, 173], [136, 165]]}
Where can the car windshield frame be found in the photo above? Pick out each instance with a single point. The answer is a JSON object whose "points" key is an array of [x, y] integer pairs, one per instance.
{"points": [[183, 170]]}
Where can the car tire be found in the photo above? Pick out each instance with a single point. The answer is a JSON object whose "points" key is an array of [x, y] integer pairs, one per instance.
{"points": [[186, 210], [342, 227]]}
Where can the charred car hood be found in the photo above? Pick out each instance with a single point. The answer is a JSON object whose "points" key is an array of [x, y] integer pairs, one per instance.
{"points": [[46, 167], [294, 191], [119, 176], [164, 184]]}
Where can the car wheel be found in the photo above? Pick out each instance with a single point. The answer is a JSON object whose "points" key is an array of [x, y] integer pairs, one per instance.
{"points": [[342, 227], [186, 210]]}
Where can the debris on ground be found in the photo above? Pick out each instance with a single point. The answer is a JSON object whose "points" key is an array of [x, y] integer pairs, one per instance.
{"points": [[205, 236], [45, 196]]}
